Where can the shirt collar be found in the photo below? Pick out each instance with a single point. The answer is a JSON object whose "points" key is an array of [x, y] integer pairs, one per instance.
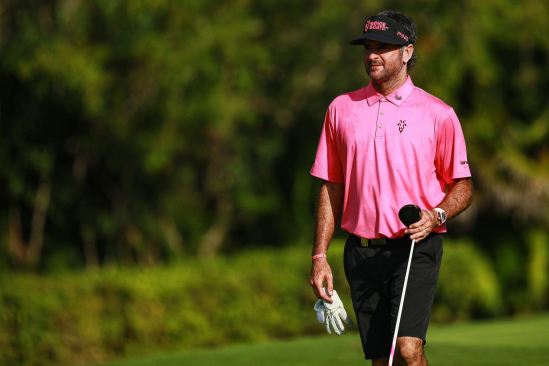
{"points": [[397, 97]]}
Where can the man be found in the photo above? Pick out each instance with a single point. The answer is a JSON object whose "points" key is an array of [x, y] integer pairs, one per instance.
{"points": [[382, 147]]}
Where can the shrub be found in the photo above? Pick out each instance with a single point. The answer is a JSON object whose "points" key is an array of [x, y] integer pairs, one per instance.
{"points": [[467, 286], [97, 316]]}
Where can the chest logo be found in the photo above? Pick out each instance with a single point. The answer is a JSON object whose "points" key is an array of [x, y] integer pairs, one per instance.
{"points": [[401, 125]]}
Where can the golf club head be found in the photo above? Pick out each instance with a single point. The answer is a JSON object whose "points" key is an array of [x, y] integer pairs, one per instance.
{"points": [[409, 214]]}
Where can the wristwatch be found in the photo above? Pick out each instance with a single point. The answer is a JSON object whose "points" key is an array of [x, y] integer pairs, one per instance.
{"points": [[441, 215]]}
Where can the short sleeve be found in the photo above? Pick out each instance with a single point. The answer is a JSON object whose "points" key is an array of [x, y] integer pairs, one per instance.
{"points": [[451, 154], [328, 164]]}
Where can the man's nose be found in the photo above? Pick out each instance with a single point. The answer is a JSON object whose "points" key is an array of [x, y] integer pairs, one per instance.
{"points": [[371, 55]]}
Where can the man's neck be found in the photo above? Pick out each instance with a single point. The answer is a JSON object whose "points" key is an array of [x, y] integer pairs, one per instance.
{"points": [[389, 86]]}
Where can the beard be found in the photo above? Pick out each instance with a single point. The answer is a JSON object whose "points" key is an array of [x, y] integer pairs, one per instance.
{"points": [[384, 72], [387, 70]]}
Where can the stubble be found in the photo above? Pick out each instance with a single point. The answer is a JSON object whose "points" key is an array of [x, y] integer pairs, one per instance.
{"points": [[388, 72]]}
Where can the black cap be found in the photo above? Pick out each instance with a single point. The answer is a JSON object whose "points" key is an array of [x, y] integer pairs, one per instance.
{"points": [[383, 29]]}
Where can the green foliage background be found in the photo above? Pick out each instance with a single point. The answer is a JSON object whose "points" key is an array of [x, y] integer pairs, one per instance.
{"points": [[142, 133], [252, 297]]}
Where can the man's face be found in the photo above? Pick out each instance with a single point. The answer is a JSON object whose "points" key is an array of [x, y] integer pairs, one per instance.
{"points": [[383, 61]]}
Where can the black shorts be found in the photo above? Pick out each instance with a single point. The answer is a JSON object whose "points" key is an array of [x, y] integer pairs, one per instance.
{"points": [[376, 277]]}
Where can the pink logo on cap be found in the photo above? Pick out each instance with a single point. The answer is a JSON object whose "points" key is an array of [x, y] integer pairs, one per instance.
{"points": [[402, 35], [375, 25]]}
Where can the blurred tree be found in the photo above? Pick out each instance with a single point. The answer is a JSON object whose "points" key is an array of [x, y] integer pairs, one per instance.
{"points": [[142, 131]]}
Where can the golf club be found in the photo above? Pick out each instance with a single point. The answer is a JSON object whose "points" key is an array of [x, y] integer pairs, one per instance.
{"points": [[408, 214]]}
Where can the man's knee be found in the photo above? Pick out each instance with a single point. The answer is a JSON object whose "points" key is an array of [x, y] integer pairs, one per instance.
{"points": [[409, 351], [382, 361]]}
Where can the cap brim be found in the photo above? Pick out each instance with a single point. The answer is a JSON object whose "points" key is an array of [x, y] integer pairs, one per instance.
{"points": [[378, 37]]}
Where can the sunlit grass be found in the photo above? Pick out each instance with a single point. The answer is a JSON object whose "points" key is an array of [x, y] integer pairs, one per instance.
{"points": [[502, 342]]}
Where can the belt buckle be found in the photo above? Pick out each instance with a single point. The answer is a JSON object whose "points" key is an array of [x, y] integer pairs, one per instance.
{"points": [[364, 242]]}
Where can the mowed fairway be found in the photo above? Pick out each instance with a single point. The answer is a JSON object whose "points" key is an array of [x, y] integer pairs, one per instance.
{"points": [[504, 342]]}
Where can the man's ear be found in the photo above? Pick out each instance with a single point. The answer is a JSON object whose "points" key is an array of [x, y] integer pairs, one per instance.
{"points": [[408, 52]]}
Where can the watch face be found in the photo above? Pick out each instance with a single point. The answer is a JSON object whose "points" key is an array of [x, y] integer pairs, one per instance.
{"points": [[442, 217]]}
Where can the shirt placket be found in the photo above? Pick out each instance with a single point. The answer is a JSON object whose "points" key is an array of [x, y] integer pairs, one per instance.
{"points": [[380, 121]]}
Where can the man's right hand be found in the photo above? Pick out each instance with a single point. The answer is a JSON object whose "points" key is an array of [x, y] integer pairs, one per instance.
{"points": [[320, 272]]}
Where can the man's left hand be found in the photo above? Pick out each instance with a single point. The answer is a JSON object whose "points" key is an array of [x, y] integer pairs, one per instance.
{"points": [[423, 227]]}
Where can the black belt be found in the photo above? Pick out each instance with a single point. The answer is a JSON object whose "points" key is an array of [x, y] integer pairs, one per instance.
{"points": [[383, 241], [366, 242]]}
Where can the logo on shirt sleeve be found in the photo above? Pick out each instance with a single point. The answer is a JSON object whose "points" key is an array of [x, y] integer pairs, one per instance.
{"points": [[401, 125]]}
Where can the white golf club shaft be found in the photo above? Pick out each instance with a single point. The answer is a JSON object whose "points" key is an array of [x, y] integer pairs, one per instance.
{"points": [[401, 304]]}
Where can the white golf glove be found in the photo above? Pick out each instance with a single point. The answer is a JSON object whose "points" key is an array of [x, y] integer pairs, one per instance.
{"points": [[334, 313]]}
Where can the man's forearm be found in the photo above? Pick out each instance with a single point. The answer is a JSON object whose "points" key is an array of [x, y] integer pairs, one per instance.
{"points": [[328, 212], [459, 197]]}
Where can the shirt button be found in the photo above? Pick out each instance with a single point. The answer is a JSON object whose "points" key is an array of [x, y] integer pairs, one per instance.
{"points": [[383, 99], [381, 112], [380, 125]]}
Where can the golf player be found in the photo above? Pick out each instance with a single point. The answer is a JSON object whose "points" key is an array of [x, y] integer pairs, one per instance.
{"points": [[384, 146]]}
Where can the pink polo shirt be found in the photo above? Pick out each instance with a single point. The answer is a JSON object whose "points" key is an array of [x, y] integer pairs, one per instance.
{"points": [[389, 152]]}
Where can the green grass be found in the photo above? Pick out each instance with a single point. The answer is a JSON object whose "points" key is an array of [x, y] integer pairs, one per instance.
{"points": [[503, 342]]}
